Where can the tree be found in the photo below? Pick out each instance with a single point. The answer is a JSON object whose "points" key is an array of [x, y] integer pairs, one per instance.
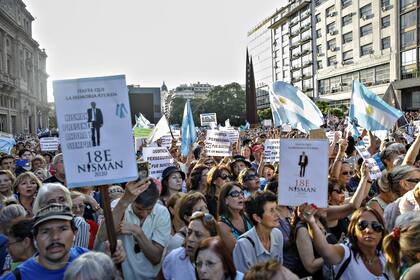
{"points": [[323, 106], [264, 114]]}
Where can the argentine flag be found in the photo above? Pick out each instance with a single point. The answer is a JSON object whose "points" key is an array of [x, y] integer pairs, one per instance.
{"points": [[291, 106], [189, 134], [369, 111]]}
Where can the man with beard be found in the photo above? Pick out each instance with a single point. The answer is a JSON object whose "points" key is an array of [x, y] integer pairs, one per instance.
{"points": [[54, 231]]}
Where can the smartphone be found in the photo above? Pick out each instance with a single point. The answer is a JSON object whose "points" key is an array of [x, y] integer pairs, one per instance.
{"points": [[142, 170]]}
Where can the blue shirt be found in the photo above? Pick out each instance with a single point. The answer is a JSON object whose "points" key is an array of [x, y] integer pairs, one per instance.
{"points": [[31, 269]]}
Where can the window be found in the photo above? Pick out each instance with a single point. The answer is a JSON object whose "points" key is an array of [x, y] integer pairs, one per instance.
{"points": [[345, 3], [366, 29], [348, 55], [385, 3], [367, 76], [407, 4], [324, 86], [331, 44], [319, 49], [408, 20], [319, 64], [318, 17], [408, 39], [366, 11], [382, 74], [329, 10], [346, 19], [366, 49], [408, 57], [385, 43], [331, 27], [332, 60], [318, 33], [348, 37], [385, 21]]}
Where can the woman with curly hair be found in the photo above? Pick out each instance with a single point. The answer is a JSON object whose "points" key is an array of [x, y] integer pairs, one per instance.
{"points": [[26, 187]]}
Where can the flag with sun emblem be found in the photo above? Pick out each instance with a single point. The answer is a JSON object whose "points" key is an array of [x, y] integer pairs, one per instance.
{"points": [[370, 111], [291, 106]]}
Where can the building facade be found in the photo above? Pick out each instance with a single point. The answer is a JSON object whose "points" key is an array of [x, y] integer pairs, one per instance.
{"points": [[23, 77], [408, 16]]}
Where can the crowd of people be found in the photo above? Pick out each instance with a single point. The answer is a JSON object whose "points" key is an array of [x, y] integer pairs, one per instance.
{"points": [[213, 218]]}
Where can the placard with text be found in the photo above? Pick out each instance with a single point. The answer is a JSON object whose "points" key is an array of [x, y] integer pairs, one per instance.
{"points": [[93, 116], [303, 172], [217, 143]]}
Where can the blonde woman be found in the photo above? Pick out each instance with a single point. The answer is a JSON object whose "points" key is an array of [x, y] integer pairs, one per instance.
{"points": [[26, 187]]}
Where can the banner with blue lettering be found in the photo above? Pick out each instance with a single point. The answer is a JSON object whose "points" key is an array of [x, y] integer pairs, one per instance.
{"points": [[93, 116], [303, 172]]}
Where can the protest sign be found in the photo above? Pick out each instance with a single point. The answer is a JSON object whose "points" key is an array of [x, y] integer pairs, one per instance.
{"points": [[49, 144], [6, 144], [331, 135], [142, 132], [217, 143], [93, 116], [286, 127], [318, 133], [375, 170], [207, 119], [272, 150], [268, 123], [166, 140], [303, 172], [232, 133], [158, 158], [417, 125]]}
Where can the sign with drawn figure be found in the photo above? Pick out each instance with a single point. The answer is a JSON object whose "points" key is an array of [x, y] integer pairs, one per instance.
{"points": [[207, 119], [93, 116], [272, 150], [303, 172], [49, 143], [217, 143], [159, 158]]}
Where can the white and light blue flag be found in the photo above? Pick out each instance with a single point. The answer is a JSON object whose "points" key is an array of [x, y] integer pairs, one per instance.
{"points": [[189, 134], [291, 106], [370, 111]]}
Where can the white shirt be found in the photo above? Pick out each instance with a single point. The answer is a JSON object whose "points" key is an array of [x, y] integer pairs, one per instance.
{"points": [[177, 265], [358, 270]]}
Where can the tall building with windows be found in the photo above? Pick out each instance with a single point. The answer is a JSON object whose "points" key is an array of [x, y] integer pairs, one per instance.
{"points": [[260, 44], [293, 45], [355, 40], [23, 77], [408, 15]]}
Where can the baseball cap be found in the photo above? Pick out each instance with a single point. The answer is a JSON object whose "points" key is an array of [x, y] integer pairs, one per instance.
{"points": [[53, 211]]}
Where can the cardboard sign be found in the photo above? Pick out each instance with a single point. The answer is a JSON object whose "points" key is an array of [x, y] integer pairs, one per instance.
{"points": [[318, 133], [49, 144], [159, 158], [217, 143], [303, 172], [207, 119], [272, 150], [375, 170], [93, 116]]}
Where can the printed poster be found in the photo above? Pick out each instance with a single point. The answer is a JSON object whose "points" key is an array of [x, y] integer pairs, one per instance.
{"points": [[93, 116], [303, 172], [217, 143], [49, 144], [159, 158], [208, 119], [272, 150]]}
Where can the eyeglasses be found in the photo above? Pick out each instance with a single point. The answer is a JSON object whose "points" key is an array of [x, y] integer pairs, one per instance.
{"points": [[208, 264], [199, 214], [345, 173], [251, 177], [413, 180], [362, 225], [224, 176], [339, 191], [236, 194]]}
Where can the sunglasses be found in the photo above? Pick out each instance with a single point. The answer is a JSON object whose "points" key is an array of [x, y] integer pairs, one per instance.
{"points": [[251, 177], [413, 180], [345, 173], [224, 176], [362, 225], [339, 191], [236, 194]]}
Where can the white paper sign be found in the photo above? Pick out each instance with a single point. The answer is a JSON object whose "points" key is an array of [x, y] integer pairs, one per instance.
{"points": [[93, 116], [303, 172], [49, 143], [268, 123], [272, 150], [167, 139], [159, 158], [217, 143], [207, 119], [417, 125], [331, 134], [375, 171]]}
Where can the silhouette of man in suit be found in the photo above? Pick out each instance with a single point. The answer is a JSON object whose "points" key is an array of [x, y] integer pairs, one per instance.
{"points": [[96, 121], [303, 162]]}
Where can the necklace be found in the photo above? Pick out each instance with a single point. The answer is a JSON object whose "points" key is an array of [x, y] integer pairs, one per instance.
{"points": [[369, 261]]}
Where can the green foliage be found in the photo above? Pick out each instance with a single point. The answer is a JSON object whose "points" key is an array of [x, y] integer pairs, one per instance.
{"points": [[264, 114], [228, 102], [323, 106], [336, 112]]}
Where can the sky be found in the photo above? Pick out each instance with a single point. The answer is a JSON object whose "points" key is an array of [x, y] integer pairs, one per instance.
{"points": [[150, 41]]}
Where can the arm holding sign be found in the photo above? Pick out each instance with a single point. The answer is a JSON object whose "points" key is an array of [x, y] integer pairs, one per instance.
{"points": [[336, 167], [260, 170], [410, 157], [372, 143], [333, 143]]}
